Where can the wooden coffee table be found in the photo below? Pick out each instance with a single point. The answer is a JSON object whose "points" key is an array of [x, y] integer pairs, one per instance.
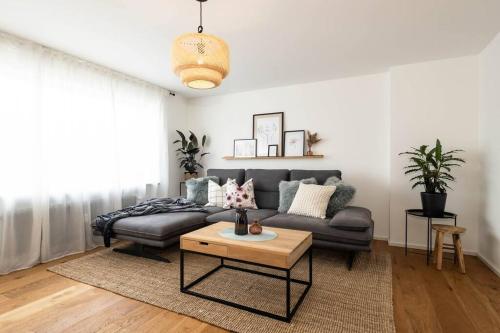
{"points": [[281, 253]]}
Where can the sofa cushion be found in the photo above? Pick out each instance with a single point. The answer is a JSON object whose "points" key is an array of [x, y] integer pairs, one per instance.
{"points": [[311, 200], [320, 229], [288, 189], [230, 215], [216, 194], [213, 210], [197, 189], [237, 196], [352, 218], [320, 175], [344, 193], [266, 185], [224, 174], [159, 226]]}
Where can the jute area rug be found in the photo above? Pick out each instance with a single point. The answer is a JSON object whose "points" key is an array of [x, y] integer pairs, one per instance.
{"points": [[339, 300]]}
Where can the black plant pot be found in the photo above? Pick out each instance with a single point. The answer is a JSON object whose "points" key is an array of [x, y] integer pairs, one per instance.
{"points": [[433, 204]]}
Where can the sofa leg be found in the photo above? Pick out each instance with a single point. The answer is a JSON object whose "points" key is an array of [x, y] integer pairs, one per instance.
{"points": [[350, 259], [138, 250]]}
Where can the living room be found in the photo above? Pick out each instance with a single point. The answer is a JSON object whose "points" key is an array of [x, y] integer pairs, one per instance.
{"points": [[264, 166]]}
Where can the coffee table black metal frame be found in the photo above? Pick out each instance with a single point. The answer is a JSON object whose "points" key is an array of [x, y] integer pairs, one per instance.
{"points": [[420, 213], [290, 312]]}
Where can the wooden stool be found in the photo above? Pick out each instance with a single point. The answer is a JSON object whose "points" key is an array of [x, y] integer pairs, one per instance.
{"points": [[441, 230]]}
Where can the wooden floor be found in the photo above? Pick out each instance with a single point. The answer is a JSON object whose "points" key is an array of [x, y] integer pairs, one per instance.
{"points": [[425, 300]]}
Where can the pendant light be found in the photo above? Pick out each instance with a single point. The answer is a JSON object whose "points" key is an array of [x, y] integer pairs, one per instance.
{"points": [[200, 60]]}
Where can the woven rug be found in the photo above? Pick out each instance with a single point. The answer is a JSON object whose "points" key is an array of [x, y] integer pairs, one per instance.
{"points": [[339, 300]]}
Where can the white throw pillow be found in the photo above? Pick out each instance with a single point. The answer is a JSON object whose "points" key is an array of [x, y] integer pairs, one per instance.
{"points": [[311, 200], [240, 196], [216, 194]]}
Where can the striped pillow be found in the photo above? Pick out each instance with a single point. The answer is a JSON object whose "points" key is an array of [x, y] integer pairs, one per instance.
{"points": [[311, 200]]}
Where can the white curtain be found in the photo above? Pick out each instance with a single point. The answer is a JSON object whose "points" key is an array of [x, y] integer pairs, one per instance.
{"points": [[76, 140]]}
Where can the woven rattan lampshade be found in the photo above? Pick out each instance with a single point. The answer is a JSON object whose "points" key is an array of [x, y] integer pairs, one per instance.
{"points": [[201, 60]]}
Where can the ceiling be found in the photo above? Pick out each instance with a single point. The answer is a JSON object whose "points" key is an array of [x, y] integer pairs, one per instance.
{"points": [[272, 42]]}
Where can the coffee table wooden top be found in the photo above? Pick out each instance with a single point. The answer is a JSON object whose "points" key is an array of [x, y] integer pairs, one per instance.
{"points": [[283, 251]]}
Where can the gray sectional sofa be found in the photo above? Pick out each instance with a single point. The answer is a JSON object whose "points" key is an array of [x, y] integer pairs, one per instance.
{"points": [[350, 230]]}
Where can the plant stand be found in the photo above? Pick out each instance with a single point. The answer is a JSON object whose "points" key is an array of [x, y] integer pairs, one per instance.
{"points": [[420, 213]]}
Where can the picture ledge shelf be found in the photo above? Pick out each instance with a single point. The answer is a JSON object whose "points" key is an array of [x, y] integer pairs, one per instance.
{"points": [[273, 157]]}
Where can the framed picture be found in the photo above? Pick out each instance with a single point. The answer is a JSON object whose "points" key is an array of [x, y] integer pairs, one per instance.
{"points": [[272, 150], [245, 148], [268, 130], [294, 143]]}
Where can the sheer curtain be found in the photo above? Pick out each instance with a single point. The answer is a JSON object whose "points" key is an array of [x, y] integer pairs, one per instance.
{"points": [[76, 140]]}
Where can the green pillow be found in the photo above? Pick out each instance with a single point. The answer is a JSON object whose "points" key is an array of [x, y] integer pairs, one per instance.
{"points": [[288, 189], [341, 197], [197, 189]]}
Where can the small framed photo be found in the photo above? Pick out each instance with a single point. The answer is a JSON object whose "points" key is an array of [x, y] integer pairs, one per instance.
{"points": [[245, 148], [272, 150], [294, 143]]}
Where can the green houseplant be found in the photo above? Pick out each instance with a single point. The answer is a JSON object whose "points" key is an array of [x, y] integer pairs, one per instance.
{"points": [[431, 168], [188, 153]]}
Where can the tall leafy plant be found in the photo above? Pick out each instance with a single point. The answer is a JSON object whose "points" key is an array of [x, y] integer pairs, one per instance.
{"points": [[431, 168], [188, 151]]}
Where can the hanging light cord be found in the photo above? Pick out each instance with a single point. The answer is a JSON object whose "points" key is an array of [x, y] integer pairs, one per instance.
{"points": [[200, 27]]}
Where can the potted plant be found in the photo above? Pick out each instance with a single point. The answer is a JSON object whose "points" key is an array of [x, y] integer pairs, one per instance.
{"points": [[432, 169], [187, 153]]}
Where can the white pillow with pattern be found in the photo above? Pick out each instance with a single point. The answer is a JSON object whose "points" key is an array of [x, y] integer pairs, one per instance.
{"points": [[216, 194], [240, 196]]}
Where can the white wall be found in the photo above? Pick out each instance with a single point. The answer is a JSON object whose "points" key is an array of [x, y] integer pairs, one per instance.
{"points": [[489, 227], [432, 100], [176, 119], [351, 116]]}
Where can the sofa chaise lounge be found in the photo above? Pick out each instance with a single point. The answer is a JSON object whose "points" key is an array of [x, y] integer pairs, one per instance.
{"points": [[350, 230]]}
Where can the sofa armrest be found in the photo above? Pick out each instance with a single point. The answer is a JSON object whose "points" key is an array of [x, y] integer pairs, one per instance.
{"points": [[352, 219]]}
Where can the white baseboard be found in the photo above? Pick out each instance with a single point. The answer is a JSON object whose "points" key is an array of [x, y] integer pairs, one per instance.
{"points": [[489, 264], [383, 238], [423, 247]]}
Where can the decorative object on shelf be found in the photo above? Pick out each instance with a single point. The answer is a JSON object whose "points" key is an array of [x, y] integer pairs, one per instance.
{"points": [[255, 228], [188, 152], [268, 130], [433, 169], [272, 150], [245, 148], [294, 143], [305, 157], [201, 60], [312, 138], [241, 222]]}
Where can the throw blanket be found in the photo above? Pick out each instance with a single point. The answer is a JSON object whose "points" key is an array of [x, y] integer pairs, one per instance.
{"points": [[104, 223]]}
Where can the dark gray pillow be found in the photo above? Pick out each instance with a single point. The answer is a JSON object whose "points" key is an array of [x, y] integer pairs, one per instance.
{"points": [[352, 219], [197, 189], [288, 189], [341, 197]]}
